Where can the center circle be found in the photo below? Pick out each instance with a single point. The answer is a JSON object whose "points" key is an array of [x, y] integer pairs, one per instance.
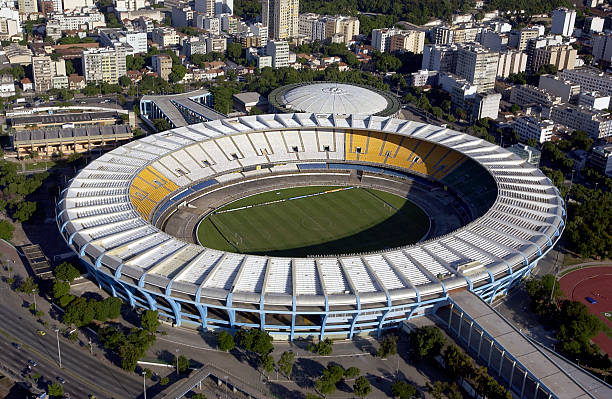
{"points": [[314, 220]]}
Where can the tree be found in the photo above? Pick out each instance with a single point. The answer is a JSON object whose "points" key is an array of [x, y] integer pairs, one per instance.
{"points": [[225, 341], [388, 346], [164, 381], [352, 372], [55, 389], [66, 272], [80, 312], [403, 390], [24, 211], [254, 340], [362, 387], [60, 289], [178, 73], [69, 67], [323, 348], [149, 321], [28, 286], [198, 396], [427, 341], [234, 51], [267, 363], [457, 363], [109, 308], [285, 363], [125, 81], [183, 364], [161, 124], [515, 108], [6, 230]]}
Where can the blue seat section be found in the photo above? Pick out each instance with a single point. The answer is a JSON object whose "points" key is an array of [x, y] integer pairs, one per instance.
{"points": [[180, 196], [312, 166]]}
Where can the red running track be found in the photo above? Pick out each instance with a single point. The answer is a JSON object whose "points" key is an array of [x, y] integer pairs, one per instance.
{"points": [[595, 282]]}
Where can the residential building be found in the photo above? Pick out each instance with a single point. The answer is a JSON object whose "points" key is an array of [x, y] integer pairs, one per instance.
{"points": [[441, 58], [593, 24], [281, 17], [596, 124], [224, 7], [602, 48], [441, 35], [563, 21], [27, 7], [194, 46], [260, 30], [478, 66], [216, 44], [48, 74], [519, 39], [422, 77], [528, 153], [18, 54], [494, 41], [589, 79], [465, 96], [525, 95], [205, 7], [77, 4], [164, 36], [594, 100], [46, 7], [26, 84], [261, 61], [511, 62], [103, 65], [279, 51], [529, 128], [557, 86], [79, 20], [348, 27], [465, 34], [485, 105], [601, 159], [182, 16], [146, 25], [212, 25], [53, 29], [7, 86], [244, 102], [136, 40], [129, 5], [411, 41], [306, 22], [562, 56], [229, 24], [162, 64]]}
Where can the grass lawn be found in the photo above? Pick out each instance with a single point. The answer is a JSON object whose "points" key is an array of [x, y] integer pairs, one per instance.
{"points": [[42, 165], [347, 221]]}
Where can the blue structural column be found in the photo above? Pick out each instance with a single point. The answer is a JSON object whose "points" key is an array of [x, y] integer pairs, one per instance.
{"points": [[384, 315], [293, 310], [203, 309], [231, 313], [176, 308], [262, 314], [324, 321], [354, 322]]}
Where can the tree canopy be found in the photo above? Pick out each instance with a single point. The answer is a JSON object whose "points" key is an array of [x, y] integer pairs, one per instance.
{"points": [[427, 342]]}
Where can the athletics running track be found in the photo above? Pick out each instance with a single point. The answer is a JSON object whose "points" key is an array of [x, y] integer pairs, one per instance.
{"points": [[595, 282]]}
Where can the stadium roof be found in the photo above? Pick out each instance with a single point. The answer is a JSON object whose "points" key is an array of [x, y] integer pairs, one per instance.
{"points": [[106, 220], [334, 98]]}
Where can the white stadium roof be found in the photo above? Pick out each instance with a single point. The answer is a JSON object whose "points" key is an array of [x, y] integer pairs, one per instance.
{"points": [[334, 98], [100, 221]]}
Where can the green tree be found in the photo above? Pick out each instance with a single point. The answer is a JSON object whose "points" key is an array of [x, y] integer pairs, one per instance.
{"points": [[352, 372], [60, 289], [178, 73], [458, 364], [164, 381], [388, 346], [198, 396], [225, 341], [285, 363], [323, 348], [80, 312], [234, 52], [125, 81], [24, 211], [149, 321], [161, 124], [427, 341], [28, 286], [55, 390], [515, 108], [362, 387], [402, 390], [66, 272], [6, 230], [267, 362], [183, 364]]}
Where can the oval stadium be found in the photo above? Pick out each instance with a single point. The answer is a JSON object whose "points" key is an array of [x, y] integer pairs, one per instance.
{"points": [[405, 213]]}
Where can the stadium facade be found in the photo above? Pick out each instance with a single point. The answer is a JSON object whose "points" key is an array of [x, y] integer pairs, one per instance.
{"points": [[110, 214]]}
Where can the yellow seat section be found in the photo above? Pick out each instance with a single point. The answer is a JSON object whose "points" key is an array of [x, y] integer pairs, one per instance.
{"points": [[376, 141], [356, 140], [391, 146], [448, 164], [148, 188], [420, 154], [405, 153]]}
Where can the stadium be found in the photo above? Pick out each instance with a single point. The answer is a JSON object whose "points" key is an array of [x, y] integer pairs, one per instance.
{"points": [[413, 212]]}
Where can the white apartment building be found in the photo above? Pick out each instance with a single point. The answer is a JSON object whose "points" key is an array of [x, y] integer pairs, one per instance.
{"points": [[559, 87], [529, 95], [281, 17], [216, 44], [164, 36], [48, 74], [412, 41], [563, 21], [7, 86], [589, 79], [279, 51], [306, 22], [211, 24], [259, 29], [594, 100], [602, 47], [593, 24], [478, 66], [529, 127], [135, 40], [601, 159], [129, 5], [596, 123], [519, 39], [103, 65], [511, 61], [441, 58], [84, 19]]}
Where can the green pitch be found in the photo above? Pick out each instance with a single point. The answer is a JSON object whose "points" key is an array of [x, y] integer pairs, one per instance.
{"points": [[340, 222]]}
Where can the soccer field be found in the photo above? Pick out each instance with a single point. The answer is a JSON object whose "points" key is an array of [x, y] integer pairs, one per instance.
{"points": [[326, 220]]}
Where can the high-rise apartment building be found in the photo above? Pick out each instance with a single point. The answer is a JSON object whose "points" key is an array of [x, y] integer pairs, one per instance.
{"points": [[602, 47], [206, 7], [440, 58], [27, 7], [511, 61], [562, 56], [162, 64], [408, 40], [46, 73], [279, 51], [478, 66], [563, 21], [103, 64], [281, 17]]}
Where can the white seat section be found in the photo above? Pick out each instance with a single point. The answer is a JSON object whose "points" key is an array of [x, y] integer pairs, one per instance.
{"points": [[260, 143], [309, 139], [333, 277], [326, 139], [225, 272], [174, 136], [156, 254], [244, 145], [199, 269], [466, 250], [270, 121], [359, 274], [444, 254], [293, 140], [128, 251], [196, 153], [486, 245], [279, 276], [220, 162], [408, 269], [113, 240], [307, 280], [180, 181], [384, 272], [338, 153], [228, 148], [103, 231], [251, 277], [281, 151]]}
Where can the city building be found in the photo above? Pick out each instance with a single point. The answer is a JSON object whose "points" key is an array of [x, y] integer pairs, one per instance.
{"points": [[306, 22], [596, 124], [593, 24], [601, 159], [162, 64], [164, 36], [205, 7], [211, 24], [559, 87], [525, 95], [66, 120], [589, 79], [466, 96], [528, 153], [529, 128], [519, 39], [77, 4], [18, 54], [411, 41], [279, 51], [129, 5], [244, 102], [348, 27], [86, 19], [562, 56], [7, 86], [563, 21], [182, 16], [261, 60], [594, 100], [136, 40], [441, 35], [48, 74], [494, 41], [216, 44], [260, 30], [511, 62], [194, 46], [179, 109], [27, 7], [281, 17], [478, 66], [103, 65], [602, 47], [422, 77], [441, 58]]}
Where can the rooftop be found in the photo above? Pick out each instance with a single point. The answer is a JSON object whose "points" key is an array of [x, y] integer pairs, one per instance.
{"points": [[62, 118]]}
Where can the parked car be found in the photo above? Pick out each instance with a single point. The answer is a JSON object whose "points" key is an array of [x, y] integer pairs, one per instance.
{"points": [[591, 300]]}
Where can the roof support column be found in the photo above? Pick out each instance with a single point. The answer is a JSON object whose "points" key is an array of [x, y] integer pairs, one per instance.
{"points": [[176, 308], [293, 310], [355, 317], [324, 321], [231, 313]]}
